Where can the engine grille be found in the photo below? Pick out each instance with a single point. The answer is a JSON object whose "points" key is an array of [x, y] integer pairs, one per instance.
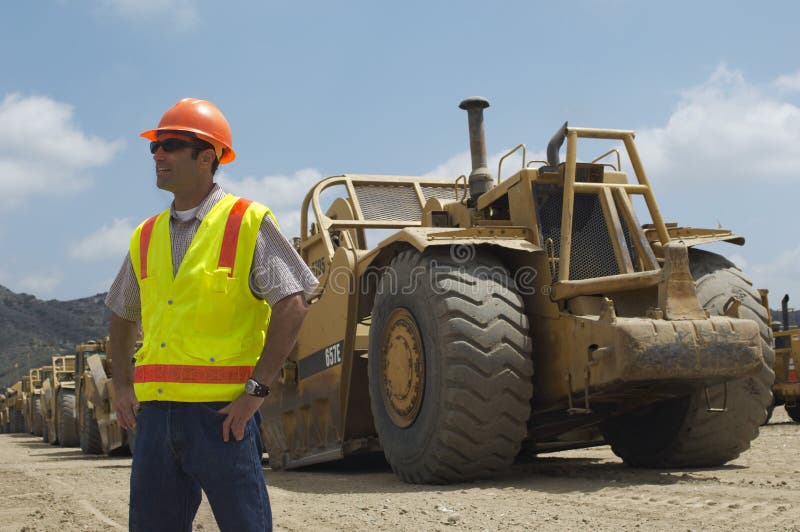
{"points": [[396, 202], [592, 254]]}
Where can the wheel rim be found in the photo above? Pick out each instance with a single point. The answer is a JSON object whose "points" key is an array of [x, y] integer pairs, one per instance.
{"points": [[402, 368]]}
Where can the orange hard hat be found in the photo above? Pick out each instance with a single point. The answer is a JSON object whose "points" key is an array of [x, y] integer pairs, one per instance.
{"points": [[203, 119]]}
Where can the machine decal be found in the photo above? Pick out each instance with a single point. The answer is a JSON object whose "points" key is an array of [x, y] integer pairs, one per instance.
{"points": [[325, 358]]}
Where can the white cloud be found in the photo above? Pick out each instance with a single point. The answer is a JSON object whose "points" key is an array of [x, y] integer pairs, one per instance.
{"points": [[40, 284], [110, 241], [455, 166], [788, 82], [725, 128], [283, 194], [184, 12], [42, 150]]}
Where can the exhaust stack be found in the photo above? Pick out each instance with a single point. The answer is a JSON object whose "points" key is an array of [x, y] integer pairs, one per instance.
{"points": [[480, 180], [785, 311]]}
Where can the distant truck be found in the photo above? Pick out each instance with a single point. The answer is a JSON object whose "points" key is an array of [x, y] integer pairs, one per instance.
{"points": [[787, 356], [98, 430], [5, 419], [11, 409], [58, 393], [34, 406], [25, 400]]}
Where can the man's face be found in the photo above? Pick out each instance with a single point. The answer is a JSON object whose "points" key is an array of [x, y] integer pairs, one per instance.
{"points": [[176, 170]]}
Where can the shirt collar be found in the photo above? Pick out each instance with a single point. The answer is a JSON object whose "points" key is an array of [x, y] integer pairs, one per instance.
{"points": [[206, 205]]}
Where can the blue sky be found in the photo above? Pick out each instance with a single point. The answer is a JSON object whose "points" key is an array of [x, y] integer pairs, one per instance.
{"points": [[321, 88]]}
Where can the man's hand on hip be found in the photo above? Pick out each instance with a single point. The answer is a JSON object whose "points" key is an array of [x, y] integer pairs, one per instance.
{"points": [[239, 411], [126, 405]]}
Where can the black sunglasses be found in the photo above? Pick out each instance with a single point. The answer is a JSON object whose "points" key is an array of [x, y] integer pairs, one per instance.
{"points": [[171, 145]]}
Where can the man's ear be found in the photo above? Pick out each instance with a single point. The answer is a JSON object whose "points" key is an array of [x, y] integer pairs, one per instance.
{"points": [[207, 157]]}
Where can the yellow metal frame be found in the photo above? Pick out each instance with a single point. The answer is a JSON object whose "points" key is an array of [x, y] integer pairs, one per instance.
{"points": [[613, 196], [325, 225]]}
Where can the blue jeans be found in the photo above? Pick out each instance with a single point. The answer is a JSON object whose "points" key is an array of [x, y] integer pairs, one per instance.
{"points": [[179, 451]]}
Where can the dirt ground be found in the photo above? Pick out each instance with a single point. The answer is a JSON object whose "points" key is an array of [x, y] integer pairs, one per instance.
{"points": [[51, 488]]}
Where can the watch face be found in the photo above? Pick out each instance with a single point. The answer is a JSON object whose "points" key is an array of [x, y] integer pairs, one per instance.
{"points": [[250, 387]]}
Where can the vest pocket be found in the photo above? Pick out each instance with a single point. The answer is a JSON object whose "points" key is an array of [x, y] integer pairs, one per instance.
{"points": [[216, 306]]}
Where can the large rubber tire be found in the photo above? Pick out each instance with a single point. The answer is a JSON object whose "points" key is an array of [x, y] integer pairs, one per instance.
{"points": [[474, 404], [67, 425], [794, 412], [17, 421], [38, 422], [90, 441], [770, 410], [681, 432]]}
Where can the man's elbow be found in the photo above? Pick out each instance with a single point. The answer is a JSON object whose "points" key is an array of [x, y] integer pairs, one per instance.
{"points": [[301, 306], [293, 307]]}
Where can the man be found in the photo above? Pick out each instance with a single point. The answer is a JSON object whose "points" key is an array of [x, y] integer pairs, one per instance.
{"points": [[221, 296]]}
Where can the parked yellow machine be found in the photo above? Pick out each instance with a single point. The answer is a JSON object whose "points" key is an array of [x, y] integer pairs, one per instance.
{"points": [[43, 412], [98, 430], [58, 393], [15, 401], [5, 419], [34, 406], [25, 400], [787, 359], [508, 317], [11, 411]]}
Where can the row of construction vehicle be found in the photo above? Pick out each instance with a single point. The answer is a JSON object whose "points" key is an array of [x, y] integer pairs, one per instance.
{"points": [[69, 402]]}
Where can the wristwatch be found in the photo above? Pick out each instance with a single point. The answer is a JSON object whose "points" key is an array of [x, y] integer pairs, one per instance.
{"points": [[255, 388]]}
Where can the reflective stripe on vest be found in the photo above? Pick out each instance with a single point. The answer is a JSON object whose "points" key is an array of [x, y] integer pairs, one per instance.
{"points": [[230, 240], [192, 374], [144, 243]]}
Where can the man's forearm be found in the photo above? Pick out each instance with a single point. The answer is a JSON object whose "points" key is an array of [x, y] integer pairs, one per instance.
{"points": [[123, 339], [284, 327]]}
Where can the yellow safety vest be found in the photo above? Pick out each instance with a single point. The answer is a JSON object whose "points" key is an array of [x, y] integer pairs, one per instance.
{"points": [[203, 328]]}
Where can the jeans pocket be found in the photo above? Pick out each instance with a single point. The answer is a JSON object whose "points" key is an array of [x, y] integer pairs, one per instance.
{"points": [[213, 409]]}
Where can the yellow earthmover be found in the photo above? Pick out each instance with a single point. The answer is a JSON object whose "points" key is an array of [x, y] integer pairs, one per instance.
{"points": [[34, 406], [58, 402], [98, 430], [15, 403], [5, 419], [497, 319], [25, 400], [787, 363]]}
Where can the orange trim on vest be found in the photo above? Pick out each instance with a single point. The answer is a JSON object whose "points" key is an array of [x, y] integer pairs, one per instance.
{"points": [[192, 374], [230, 240], [144, 244]]}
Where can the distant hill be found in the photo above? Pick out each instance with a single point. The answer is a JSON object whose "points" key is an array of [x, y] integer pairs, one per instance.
{"points": [[32, 330], [794, 316]]}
